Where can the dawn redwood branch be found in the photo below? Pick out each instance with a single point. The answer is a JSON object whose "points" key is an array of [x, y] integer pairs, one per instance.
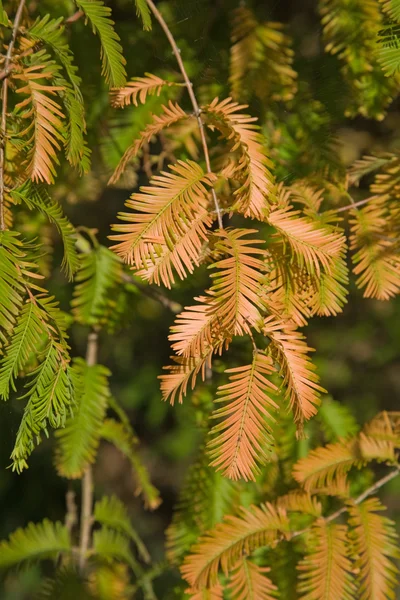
{"points": [[355, 204], [368, 492], [193, 99], [87, 479], [4, 96]]}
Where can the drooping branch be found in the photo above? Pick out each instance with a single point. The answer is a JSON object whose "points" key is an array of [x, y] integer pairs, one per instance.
{"points": [[368, 492], [192, 96], [354, 204], [4, 96]]}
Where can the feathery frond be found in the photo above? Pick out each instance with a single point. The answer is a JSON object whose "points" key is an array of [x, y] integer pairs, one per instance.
{"points": [[171, 114], [35, 542], [50, 399], [46, 126], [100, 271], [181, 255], [374, 544], [123, 438], [325, 464], [252, 170], [206, 496], [110, 545], [389, 50], [350, 31], [78, 441], [366, 165], [290, 351], [376, 259], [51, 32], [197, 329], [214, 593], [183, 373], [237, 291], [259, 48], [68, 583], [165, 211], [37, 197], [315, 247], [223, 546], [300, 501], [13, 267], [143, 11], [242, 440], [138, 89], [337, 420], [326, 572], [50, 393], [26, 339], [392, 8], [248, 581], [111, 512], [113, 61]]}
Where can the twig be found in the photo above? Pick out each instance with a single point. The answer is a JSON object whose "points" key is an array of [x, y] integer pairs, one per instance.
{"points": [[355, 204], [193, 99], [376, 486], [4, 95], [75, 17], [71, 518], [87, 480], [153, 293]]}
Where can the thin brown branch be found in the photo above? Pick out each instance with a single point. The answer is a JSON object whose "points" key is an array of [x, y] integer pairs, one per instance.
{"points": [[368, 492], [354, 204], [87, 480], [71, 517], [75, 17], [153, 293], [4, 96], [192, 95]]}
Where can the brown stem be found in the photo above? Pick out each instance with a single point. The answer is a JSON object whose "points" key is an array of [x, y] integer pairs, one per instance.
{"points": [[87, 480], [193, 99], [371, 490], [86, 515], [71, 517], [4, 95], [355, 204], [75, 17]]}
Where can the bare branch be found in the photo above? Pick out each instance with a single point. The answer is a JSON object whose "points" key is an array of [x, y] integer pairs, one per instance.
{"points": [[193, 99], [368, 492], [87, 480]]}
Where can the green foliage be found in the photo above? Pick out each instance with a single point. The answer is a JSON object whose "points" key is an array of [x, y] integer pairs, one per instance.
{"points": [[122, 437], [110, 545], [113, 62], [350, 31], [67, 584], [100, 271], [205, 498], [78, 441], [12, 288], [337, 420], [143, 12], [110, 512], [37, 197], [26, 339], [35, 542]]}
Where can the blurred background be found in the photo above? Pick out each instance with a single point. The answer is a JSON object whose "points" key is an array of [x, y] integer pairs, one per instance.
{"points": [[357, 353]]}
